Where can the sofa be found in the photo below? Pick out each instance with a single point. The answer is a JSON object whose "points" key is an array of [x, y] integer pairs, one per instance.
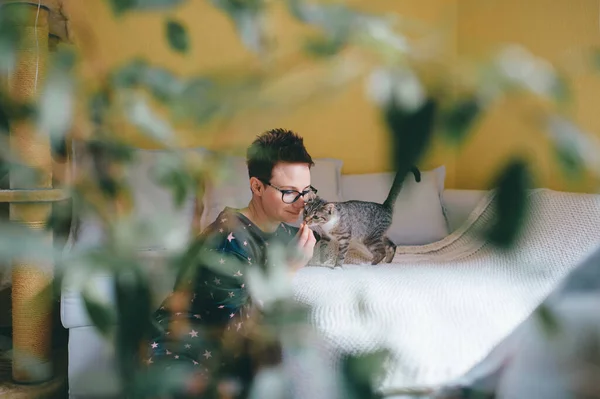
{"points": [[425, 212]]}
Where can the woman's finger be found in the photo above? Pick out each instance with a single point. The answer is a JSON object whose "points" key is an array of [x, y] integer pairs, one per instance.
{"points": [[300, 229], [304, 236], [311, 237]]}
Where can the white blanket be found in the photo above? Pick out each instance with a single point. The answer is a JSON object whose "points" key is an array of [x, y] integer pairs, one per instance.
{"points": [[440, 308]]}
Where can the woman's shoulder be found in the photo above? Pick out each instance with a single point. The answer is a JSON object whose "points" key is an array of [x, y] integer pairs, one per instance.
{"points": [[227, 221], [228, 232]]}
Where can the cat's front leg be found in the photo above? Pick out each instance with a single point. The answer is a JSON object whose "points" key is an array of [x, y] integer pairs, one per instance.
{"points": [[343, 245], [323, 244], [390, 249]]}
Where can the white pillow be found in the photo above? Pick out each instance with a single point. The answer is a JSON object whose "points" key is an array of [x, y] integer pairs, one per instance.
{"points": [[326, 177], [233, 188], [418, 213]]}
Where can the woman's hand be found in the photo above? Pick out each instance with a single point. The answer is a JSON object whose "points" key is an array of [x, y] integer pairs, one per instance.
{"points": [[305, 246]]}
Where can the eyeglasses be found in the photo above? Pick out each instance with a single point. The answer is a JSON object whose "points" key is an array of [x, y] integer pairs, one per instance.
{"points": [[291, 196]]}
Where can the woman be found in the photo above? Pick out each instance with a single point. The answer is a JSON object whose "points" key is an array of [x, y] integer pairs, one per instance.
{"points": [[204, 326]]}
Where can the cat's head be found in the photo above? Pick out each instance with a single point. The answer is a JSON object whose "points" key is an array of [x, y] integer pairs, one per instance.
{"points": [[317, 212]]}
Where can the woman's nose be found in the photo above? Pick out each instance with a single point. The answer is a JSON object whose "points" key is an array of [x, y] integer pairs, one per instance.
{"points": [[299, 204]]}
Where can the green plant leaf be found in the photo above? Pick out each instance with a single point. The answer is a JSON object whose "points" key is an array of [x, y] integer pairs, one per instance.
{"points": [[323, 46], [247, 16], [170, 172], [199, 101], [98, 104], [458, 120], [20, 242], [575, 150], [595, 58], [298, 9], [158, 4], [411, 133], [133, 300], [399, 87], [334, 18], [359, 374], [57, 102], [60, 218], [177, 36], [518, 66], [142, 116], [109, 149], [562, 90], [21, 174], [548, 319], [338, 23], [162, 83], [121, 6], [102, 317], [234, 6], [570, 162], [165, 380], [12, 19], [14, 110], [103, 153], [130, 74], [272, 284], [269, 383], [510, 203]]}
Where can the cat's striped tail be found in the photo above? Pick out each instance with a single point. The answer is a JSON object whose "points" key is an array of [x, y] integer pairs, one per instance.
{"points": [[397, 186]]}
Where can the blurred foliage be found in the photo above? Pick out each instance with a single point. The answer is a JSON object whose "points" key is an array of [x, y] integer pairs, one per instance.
{"points": [[414, 109]]}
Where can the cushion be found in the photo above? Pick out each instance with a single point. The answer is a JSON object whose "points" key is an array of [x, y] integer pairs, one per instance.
{"points": [[418, 213], [232, 188]]}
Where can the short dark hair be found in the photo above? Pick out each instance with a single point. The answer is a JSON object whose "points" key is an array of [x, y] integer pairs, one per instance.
{"points": [[272, 147]]}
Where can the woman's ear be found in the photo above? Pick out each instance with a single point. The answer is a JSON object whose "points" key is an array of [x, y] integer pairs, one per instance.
{"points": [[256, 186]]}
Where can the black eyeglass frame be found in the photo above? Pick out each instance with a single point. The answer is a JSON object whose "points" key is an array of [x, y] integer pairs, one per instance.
{"points": [[283, 192]]}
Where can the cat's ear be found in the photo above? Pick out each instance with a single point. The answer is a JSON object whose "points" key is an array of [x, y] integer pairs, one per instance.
{"points": [[329, 207]]}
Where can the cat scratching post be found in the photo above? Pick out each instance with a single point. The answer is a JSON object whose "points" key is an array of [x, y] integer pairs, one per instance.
{"points": [[31, 203], [32, 325]]}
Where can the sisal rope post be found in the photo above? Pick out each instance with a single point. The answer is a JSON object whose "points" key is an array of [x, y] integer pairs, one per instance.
{"points": [[31, 299]]}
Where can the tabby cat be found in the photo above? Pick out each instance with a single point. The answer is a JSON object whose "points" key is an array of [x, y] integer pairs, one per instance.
{"points": [[362, 221]]}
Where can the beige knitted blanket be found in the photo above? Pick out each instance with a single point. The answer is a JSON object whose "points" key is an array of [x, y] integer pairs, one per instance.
{"points": [[441, 307]]}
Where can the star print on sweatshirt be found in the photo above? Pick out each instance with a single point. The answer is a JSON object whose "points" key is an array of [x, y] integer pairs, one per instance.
{"points": [[218, 296]]}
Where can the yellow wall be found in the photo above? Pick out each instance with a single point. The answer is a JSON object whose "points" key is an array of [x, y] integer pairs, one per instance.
{"points": [[554, 29], [345, 125]]}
